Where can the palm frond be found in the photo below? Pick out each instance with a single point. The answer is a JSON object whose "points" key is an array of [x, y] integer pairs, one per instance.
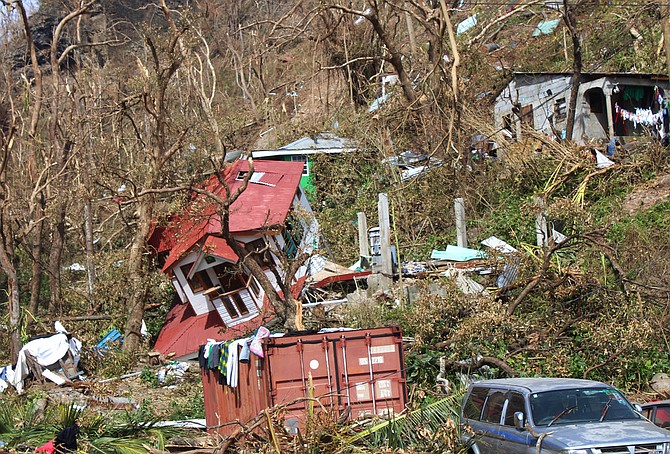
{"points": [[416, 423], [116, 445], [7, 423], [70, 413]]}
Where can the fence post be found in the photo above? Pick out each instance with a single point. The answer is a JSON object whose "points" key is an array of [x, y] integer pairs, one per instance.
{"points": [[461, 233]]}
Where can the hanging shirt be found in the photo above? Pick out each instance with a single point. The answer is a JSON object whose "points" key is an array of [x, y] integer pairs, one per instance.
{"points": [[223, 362], [214, 356], [233, 366], [202, 361]]}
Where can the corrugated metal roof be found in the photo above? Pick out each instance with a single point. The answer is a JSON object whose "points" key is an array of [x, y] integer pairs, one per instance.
{"points": [[184, 332], [321, 141], [218, 246], [324, 142], [260, 205]]}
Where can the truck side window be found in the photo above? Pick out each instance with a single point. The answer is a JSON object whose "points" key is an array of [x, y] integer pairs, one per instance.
{"points": [[473, 405], [494, 407], [515, 403]]}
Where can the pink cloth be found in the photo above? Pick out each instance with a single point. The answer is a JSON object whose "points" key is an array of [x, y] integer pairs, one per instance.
{"points": [[256, 346]]}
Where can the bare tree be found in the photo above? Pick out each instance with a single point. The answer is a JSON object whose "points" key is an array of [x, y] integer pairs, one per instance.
{"points": [[161, 142]]}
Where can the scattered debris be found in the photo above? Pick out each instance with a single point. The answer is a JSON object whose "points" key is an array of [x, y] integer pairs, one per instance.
{"points": [[413, 269], [412, 164], [388, 80], [546, 27], [466, 25], [120, 377], [174, 370], [602, 161], [457, 254], [52, 356], [112, 336], [466, 284], [499, 245]]}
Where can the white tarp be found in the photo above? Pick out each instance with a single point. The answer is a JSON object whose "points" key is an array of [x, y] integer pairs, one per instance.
{"points": [[46, 351], [602, 161]]}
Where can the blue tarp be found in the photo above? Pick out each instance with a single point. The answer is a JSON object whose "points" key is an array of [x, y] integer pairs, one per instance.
{"points": [[377, 103], [113, 336]]}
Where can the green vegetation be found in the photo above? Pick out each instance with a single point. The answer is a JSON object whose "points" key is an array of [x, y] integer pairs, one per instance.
{"points": [[27, 424], [107, 142]]}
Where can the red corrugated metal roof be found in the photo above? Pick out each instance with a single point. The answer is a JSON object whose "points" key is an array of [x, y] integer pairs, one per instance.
{"points": [[260, 205], [218, 246], [184, 332]]}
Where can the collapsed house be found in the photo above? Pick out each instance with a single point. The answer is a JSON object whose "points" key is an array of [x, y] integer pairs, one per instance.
{"points": [[219, 297], [608, 105]]}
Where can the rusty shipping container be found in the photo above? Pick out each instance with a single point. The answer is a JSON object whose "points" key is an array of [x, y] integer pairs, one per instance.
{"points": [[361, 372]]}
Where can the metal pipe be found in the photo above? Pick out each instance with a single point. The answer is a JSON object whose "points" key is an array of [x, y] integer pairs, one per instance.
{"points": [[343, 341], [330, 382], [325, 303], [368, 341]]}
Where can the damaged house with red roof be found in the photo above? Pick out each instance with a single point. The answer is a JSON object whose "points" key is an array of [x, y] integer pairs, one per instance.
{"points": [[219, 297]]}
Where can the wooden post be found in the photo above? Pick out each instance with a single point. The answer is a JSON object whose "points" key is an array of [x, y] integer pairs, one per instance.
{"points": [[541, 230], [610, 120], [461, 234], [385, 234], [363, 245]]}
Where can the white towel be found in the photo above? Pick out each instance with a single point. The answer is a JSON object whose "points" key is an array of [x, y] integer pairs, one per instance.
{"points": [[233, 365]]}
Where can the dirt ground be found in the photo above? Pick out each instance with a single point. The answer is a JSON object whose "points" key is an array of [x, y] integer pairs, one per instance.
{"points": [[645, 197]]}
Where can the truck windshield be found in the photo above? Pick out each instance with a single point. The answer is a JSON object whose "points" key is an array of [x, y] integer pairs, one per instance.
{"points": [[569, 406]]}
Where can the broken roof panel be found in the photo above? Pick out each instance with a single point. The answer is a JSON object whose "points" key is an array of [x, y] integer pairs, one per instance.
{"points": [[184, 332], [323, 142], [499, 245], [330, 273], [546, 27], [466, 25], [458, 254]]}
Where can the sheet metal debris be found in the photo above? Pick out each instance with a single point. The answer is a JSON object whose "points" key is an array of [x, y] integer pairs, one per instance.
{"points": [[466, 25], [458, 254], [546, 27], [499, 245]]}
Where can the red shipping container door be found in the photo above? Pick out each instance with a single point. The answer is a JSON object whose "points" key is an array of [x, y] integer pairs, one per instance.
{"points": [[361, 372], [225, 405]]}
